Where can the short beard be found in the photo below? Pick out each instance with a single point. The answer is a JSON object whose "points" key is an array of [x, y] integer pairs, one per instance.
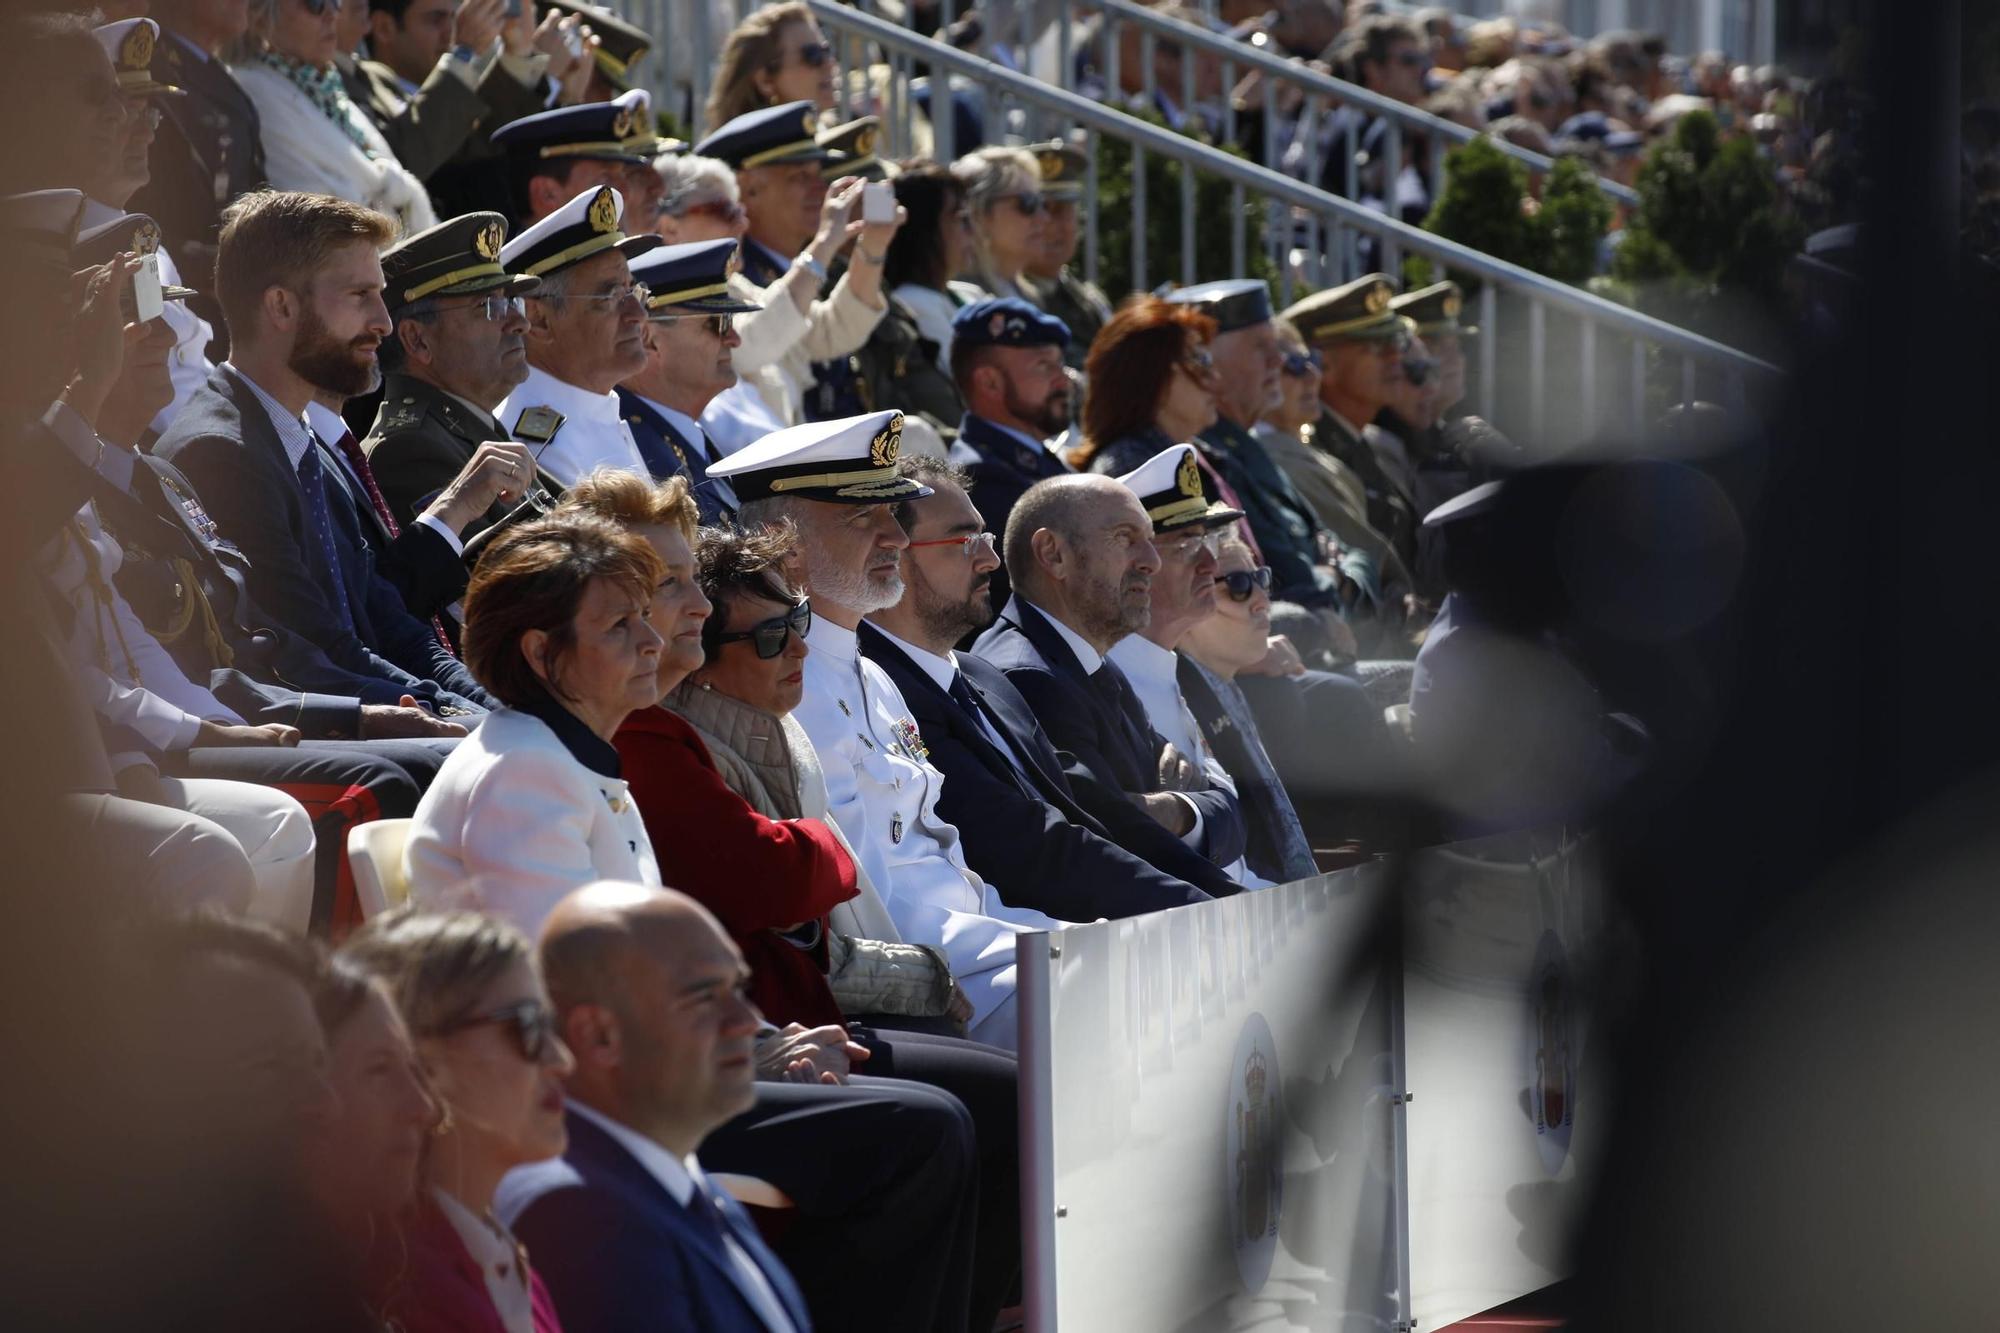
{"points": [[328, 364], [946, 621], [1046, 417], [850, 588]]}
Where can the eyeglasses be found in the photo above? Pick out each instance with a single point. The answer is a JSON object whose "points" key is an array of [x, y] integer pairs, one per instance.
{"points": [[534, 1025], [1183, 547], [318, 7], [1029, 202], [494, 308], [1197, 362], [815, 54], [769, 636], [1304, 363], [1240, 583], [139, 109], [719, 325], [969, 543], [725, 210], [631, 291], [1412, 59]]}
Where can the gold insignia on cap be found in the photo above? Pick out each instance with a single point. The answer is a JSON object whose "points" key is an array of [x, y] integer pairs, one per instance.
{"points": [[1377, 299], [883, 448], [603, 212], [1452, 305], [864, 142], [1051, 163], [489, 240], [810, 123], [621, 124], [145, 238], [136, 51], [1188, 477]]}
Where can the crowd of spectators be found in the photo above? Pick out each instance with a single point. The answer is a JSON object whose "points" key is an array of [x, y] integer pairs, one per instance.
{"points": [[767, 579]]}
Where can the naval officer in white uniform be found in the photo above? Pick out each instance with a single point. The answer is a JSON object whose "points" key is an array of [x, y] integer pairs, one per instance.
{"points": [[586, 327], [836, 480]]}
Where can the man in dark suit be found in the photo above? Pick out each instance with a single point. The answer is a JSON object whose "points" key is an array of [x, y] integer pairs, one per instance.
{"points": [[457, 350], [1081, 552], [1024, 831], [208, 148], [302, 329], [690, 331], [627, 1229]]}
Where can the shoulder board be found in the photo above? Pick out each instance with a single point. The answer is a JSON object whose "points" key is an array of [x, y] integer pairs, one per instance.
{"points": [[537, 425]]}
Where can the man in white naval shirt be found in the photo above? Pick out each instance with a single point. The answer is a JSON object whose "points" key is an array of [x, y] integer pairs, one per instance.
{"points": [[585, 333], [835, 480], [109, 182], [1170, 486]]}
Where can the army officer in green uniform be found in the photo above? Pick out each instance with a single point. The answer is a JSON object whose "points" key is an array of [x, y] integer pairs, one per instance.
{"points": [[1050, 282]]}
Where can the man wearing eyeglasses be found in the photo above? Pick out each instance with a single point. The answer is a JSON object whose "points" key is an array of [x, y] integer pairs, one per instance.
{"points": [[1006, 792], [690, 334], [586, 335], [458, 349]]}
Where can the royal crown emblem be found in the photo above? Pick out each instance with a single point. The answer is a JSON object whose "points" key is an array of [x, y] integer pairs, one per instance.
{"points": [[621, 124], [1188, 476], [604, 211], [1452, 305], [1051, 163], [137, 50], [1377, 299], [488, 242], [883, 448]]}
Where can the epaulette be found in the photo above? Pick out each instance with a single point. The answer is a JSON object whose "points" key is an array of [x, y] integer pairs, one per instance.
{"points": [[537, 425]]}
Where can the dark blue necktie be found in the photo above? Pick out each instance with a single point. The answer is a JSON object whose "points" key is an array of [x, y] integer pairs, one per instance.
{"points": [[1130, 715], [962, 694], [313, 483]]}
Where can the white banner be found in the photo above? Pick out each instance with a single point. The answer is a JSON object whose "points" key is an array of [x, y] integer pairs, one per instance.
{"points": [[1208, 1116]]}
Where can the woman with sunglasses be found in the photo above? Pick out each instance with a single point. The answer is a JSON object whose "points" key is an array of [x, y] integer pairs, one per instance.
{"points": [[728, 785], [315, 139], [1003, 193], [776, 55], [467, 987], [559, 627]]}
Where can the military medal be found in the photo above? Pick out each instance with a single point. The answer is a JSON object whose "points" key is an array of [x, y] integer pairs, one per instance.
{"points": [[895, 828]]}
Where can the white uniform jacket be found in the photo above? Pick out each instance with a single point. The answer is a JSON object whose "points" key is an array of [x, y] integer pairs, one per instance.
{"points": [[882, 792], [523, 811], [593, 432]]}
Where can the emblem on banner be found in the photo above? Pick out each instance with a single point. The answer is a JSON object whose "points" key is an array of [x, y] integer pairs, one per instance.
{"points": [[1256, 1165]]}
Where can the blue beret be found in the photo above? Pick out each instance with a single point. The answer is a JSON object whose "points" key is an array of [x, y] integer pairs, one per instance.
{"points": [[1007, 321]]}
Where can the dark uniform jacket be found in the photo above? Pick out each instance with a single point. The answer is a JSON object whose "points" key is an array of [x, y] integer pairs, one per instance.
{"points": [[443, 121], [1390, 512], [421, 439], [1282, 520], [225, 443], [898, 368], [1077, 303], [668, 453], [207, 150], [1026, 835], [1109, 750]]}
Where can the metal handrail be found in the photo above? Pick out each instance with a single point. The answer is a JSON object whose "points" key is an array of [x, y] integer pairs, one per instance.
{"points": [[1275, 185], [1312, 81]]}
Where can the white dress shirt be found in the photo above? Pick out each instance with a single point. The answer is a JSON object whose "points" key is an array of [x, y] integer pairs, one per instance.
{"points": [[677, 1176], [593, 433], [882, 791], [498, 1255]]}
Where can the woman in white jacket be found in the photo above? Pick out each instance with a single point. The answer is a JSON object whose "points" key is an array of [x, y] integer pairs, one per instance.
{"points": [[558, 625], [314, 137]]}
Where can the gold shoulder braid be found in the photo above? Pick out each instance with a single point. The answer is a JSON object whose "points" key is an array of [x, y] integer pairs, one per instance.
{"points": [[194, 599]]}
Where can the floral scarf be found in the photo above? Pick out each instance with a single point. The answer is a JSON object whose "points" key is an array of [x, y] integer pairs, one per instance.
{"points": [[324, 90]]}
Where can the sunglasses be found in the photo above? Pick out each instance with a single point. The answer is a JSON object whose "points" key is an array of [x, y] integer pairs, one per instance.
{"points": [[1029, 202], [969, 543], [815, 54], [1240, 583], [726, 210], [534, 1025], [769, 636], [1304, 363], [495, 308], [719, 325], [1198, 362]]}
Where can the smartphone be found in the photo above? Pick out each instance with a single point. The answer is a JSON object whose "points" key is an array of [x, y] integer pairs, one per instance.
{"points": [[878, 202], [143, 301], [512, 9]]}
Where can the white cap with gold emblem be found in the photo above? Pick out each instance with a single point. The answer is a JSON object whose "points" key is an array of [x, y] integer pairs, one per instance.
{"points": [[1174, 492], [587, 225], [851, 460], [130, 44]]}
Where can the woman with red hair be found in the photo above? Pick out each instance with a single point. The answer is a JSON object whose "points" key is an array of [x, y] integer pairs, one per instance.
{"points": [[1150, 383]]}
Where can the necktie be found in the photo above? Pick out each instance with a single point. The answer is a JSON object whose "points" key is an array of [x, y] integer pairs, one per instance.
{"points": [[1129, 718], [313, 484], [350, 449], [962, 694]]}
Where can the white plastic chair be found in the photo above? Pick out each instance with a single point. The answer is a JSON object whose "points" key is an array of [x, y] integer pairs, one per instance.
{"points": [[375, 854]]}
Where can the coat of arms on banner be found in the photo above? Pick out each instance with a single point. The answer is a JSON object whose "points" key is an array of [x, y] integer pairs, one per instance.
{"points": [[1256, 1165]]}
